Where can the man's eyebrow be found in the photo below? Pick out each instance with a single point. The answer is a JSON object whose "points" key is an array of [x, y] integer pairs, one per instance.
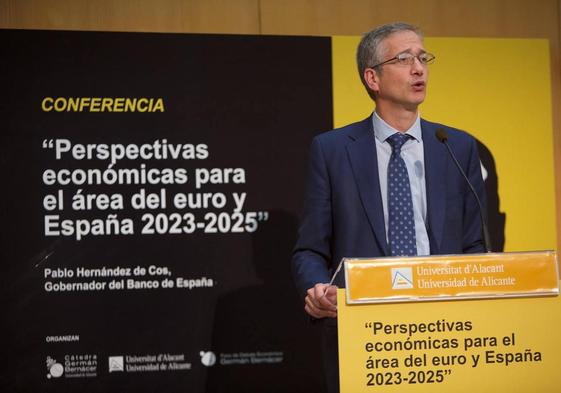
{"points": [[411, 51]]}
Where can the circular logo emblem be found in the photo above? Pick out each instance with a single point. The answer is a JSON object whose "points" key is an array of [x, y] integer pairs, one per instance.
{"points": [[208, 358]]}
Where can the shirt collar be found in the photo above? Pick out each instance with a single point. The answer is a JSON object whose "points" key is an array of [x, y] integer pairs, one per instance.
{"points": [[383, 130]]}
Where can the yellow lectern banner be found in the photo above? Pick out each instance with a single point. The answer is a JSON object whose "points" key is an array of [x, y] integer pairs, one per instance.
{"points": [[451, 277], [491, 345]]}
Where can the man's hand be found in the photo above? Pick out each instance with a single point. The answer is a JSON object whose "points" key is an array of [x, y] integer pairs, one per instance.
{"points": [[321, 301]]}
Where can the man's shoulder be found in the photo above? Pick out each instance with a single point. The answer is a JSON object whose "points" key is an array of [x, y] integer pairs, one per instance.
{"points": [[454, 134], [351, 131]]}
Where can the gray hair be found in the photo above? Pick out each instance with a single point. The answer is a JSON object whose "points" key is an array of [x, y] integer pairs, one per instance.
{"points": [[370, 50]]}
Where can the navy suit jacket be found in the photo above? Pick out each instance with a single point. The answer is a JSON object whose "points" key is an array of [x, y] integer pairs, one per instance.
{"points": [[343, 213]]}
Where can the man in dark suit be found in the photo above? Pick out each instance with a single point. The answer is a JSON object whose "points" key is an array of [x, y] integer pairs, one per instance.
{"points": [[385, 186]]}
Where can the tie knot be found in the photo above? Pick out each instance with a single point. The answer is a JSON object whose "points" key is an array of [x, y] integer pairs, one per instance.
{"points": [[397, 140]]}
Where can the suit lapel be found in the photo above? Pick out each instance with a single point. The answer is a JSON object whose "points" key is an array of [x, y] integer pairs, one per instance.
{"points": [[435, 179], [364, 164]]}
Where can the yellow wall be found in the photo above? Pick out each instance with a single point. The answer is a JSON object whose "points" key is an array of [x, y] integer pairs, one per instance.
{"points": [[438, 18]]}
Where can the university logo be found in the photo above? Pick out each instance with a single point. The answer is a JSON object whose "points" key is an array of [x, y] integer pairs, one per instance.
{"points": [[116, 363], [402, 278]]}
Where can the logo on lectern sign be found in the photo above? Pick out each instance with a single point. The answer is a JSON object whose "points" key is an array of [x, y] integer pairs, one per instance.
{"points": [[402, 278]]}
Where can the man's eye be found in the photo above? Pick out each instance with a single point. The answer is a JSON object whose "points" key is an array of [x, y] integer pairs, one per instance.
{"points": [[403, 58]]}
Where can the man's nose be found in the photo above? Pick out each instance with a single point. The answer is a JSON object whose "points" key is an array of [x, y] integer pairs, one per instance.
{"points": [[417, 67]]}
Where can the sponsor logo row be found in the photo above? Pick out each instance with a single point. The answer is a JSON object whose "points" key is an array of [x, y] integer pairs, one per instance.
{"points": [[88, 365]]}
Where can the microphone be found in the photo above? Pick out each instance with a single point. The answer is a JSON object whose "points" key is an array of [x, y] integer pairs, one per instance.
{"points": [[442, 136]]}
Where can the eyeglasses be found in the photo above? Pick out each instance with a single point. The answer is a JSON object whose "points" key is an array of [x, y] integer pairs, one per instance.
{"points": [[408, 59]]}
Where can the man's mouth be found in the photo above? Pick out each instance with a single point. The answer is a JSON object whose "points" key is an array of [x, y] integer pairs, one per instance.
{"points": [[419, 85]]}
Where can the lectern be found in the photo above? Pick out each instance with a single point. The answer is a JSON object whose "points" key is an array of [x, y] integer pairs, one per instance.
{"points": [[457, 323]]}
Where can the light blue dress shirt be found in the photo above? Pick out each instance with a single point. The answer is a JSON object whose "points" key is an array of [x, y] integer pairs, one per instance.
{"points": [[412, 153]]}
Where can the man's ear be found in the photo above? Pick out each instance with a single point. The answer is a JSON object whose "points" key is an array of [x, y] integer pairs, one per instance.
{"points": [[372, 79]]}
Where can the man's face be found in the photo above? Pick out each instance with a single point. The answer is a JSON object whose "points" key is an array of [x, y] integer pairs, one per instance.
{"points": [[400, 85]]}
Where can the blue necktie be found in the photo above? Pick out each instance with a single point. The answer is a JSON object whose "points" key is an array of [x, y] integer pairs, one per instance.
{"points": [[401, 225]]}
